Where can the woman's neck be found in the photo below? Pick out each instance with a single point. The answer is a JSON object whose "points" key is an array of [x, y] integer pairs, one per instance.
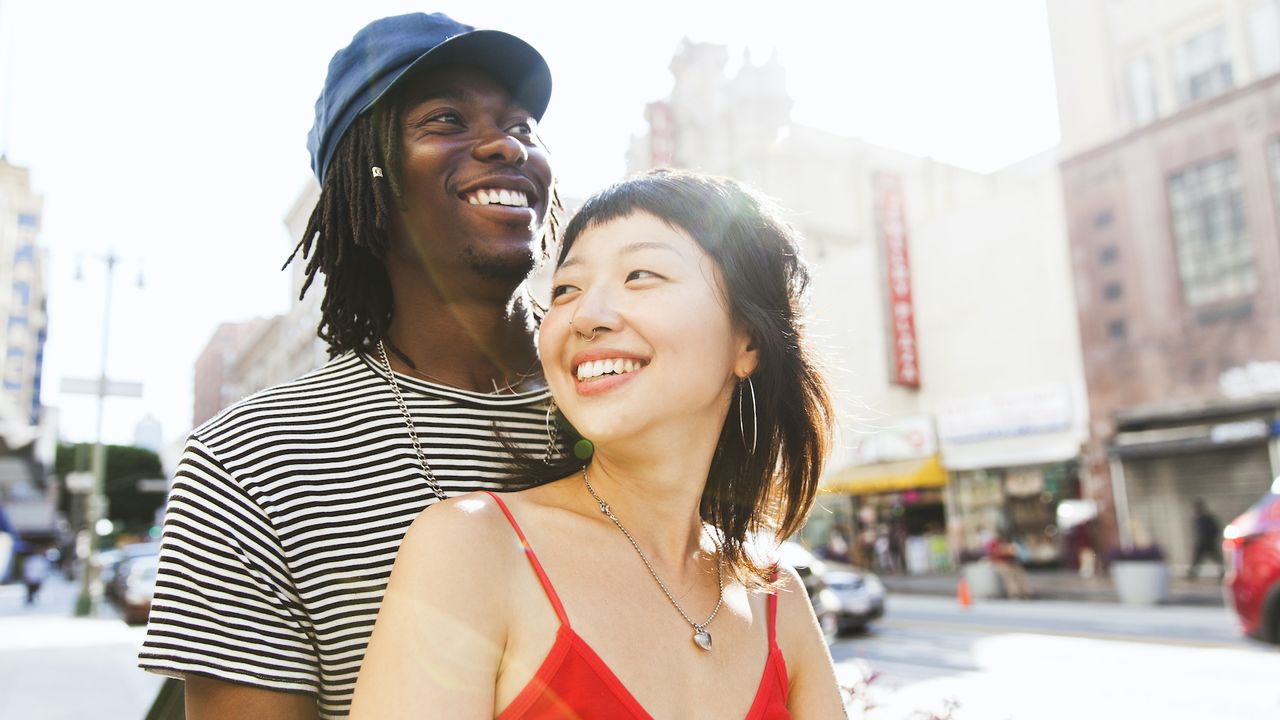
{"points": [[656, 498]]}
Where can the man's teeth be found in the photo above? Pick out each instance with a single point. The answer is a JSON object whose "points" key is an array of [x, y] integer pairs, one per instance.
{"points": [[486, 196], [616, 366]]}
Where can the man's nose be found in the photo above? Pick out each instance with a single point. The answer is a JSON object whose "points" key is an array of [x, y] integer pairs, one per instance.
{"points": [[502, 148]]}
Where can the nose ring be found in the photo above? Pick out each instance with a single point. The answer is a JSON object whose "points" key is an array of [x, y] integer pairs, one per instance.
{"points": [[583, 335]]}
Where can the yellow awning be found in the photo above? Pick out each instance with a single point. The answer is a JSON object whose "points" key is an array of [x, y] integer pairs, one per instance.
{"points": [[886, 477]]}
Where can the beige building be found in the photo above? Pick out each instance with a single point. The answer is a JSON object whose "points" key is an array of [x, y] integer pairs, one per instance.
{"points": [[26, 432], [22, 300], [942, 299], [1170, 113]]}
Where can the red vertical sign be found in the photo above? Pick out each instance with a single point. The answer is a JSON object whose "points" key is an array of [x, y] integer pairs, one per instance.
{"points": [[901, 308], [662, 134]]}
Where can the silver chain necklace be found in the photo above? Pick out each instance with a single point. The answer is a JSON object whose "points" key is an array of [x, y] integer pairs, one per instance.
{"points": [[408, 421], [701, 637]]}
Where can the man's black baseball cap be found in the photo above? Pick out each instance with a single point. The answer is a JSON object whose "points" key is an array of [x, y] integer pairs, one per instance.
{"points": [[386, 50]]}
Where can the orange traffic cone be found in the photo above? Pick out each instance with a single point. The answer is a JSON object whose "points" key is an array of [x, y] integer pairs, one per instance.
{"points": [[963, 594]]}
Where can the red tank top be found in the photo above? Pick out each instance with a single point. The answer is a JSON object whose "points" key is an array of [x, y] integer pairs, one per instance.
{"points": [[574, 683]]}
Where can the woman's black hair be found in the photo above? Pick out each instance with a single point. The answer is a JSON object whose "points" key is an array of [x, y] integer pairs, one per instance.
{"points": [[765, 281]]}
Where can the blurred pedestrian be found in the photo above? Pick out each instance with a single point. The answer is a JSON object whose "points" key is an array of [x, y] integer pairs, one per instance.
{"points": [[1208, 538], [436, 203], [35, 568], [1004, 553]]}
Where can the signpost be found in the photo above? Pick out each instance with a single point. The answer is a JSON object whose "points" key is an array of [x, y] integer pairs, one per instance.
{"points": [[96, 505]]}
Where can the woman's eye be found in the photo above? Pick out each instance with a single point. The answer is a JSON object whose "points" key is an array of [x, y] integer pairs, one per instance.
{"points": [[524, 127], [641, 275], [560, 290]]}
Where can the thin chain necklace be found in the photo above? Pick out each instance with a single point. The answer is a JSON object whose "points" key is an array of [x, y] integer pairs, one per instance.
{"points": [[701, 637], [511, 386], [408, 421]]}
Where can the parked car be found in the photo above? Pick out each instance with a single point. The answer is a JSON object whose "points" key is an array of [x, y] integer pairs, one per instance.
{"points": [[138, 587], [861, 596], [844, 598], [1251, 552], [116, 570]]}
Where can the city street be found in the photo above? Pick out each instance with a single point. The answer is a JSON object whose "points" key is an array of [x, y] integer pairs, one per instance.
{"points": [[1043, 660], [999, 660]]}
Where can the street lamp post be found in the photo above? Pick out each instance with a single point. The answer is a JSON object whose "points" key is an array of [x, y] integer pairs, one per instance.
{"points": [[95, 507]]}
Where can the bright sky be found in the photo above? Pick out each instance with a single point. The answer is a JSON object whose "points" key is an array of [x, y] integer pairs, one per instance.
{"points": [[174, 133]]}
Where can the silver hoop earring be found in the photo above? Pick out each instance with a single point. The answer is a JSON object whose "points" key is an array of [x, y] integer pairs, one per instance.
{"points": [[583, 335], [755, 417], [553, 434]]}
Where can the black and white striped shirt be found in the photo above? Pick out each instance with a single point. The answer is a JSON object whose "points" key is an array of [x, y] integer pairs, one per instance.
{"points": [[286, 513]]}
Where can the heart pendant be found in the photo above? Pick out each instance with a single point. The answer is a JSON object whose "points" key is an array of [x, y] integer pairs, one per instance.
{"points": [[702, 639]]}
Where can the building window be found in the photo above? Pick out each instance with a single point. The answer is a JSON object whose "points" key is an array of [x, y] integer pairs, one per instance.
{"points": [[1108, 254], [1264, 37], [1116, 330], [1103, 219], [1202, 66], [1140, 91], [1113, 291], [1215, 257]]}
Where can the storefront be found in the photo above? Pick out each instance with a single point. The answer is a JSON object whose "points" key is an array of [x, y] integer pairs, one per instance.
{"points": [[1226, 453], [887, 505], [1013, 458], [1020, 503]]}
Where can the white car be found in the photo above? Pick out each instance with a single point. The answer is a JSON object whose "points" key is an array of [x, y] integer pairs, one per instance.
{"points": [[844, 599]]}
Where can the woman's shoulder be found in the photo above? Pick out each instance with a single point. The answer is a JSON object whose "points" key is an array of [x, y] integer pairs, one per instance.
{"points": [[461, 529]]}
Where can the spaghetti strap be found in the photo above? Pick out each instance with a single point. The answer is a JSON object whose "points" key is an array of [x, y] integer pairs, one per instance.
{"points": [[537, 566], [773, 621]]}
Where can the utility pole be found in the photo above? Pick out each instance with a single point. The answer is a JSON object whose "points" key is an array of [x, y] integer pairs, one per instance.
{"points": [[95, 506]]}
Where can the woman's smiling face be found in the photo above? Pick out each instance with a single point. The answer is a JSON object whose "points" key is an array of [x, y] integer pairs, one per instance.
{"points": [[663, 351]]}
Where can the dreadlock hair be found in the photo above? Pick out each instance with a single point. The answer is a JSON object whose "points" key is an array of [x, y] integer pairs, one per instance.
{"points": [[348, 234]]}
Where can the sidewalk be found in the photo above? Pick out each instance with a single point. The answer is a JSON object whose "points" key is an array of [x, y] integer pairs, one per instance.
{"points": [[57, 667], [1065, 585]]}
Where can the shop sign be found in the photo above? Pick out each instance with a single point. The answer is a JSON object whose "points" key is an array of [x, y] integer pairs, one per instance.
{"points": [[892, 223], [1031, 411], [1256, 378], [907, 438], [1237, 431]]}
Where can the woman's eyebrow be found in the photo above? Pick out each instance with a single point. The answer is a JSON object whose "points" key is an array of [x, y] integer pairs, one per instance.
{"points": [[628, 249]]}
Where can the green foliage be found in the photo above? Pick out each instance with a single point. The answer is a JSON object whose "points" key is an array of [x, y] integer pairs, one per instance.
{"points": [[126, 465]]}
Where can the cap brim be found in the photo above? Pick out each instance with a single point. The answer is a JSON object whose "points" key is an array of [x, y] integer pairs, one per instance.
{"points": [[511, 61]]}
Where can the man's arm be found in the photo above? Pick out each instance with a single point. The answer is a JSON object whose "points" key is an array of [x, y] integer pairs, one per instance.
{"points": [[225, 606], [209, 699]]}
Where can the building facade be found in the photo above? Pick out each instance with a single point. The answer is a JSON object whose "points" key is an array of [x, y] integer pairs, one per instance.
{"points": [[942, 300], [26, 449], [22, 293], [215, 386], [1170, 166]]}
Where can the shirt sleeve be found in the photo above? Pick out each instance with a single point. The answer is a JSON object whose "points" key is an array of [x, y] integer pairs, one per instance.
{"points": [[224, 605]]}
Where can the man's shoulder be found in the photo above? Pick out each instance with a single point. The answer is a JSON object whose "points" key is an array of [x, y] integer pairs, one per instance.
{"points": [[346, 378]]}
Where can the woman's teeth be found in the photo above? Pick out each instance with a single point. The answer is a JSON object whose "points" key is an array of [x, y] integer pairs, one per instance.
{"points": [[614, 366]]}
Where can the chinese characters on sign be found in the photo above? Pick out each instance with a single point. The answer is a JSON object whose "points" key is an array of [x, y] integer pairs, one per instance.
{"points": [[902, 322]]}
